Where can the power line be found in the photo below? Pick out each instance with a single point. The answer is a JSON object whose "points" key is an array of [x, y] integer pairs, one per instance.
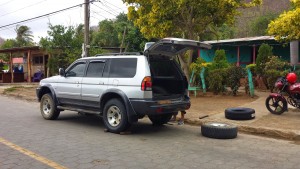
{"points": [[13, 26], [22, 8], [41, 16], [113, 5], [105, 10], [7, 2]]}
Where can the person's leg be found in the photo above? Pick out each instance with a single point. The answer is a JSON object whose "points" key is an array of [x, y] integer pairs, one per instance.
{"points": [[181, 121], [174, 117]]}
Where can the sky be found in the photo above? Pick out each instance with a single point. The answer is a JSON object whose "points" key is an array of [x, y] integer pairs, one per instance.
{"points": [[12, 11]]}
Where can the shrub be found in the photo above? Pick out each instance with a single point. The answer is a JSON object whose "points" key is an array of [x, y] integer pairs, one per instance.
{"points": [[198, 65], [215, 80], [252, 68], [264, 52], [274, 69], [216, 72], [234, 74], [220, 60]]}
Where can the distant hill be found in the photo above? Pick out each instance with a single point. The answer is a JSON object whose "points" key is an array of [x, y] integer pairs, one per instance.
{"points": [[248, 15]]}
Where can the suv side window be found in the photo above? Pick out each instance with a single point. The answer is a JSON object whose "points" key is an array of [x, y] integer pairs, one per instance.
{"points": [[95, 68], [123, 67], [77, 70]]}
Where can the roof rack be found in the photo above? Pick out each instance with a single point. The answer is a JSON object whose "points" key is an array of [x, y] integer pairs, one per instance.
{"points": [[118, 54]]}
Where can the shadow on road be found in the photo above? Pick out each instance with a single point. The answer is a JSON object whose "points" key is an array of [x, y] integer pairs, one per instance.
{"points": [[142, 127]]}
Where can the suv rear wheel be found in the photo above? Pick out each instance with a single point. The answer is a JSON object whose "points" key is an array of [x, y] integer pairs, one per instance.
{"points": [[48, 108], [160, 119], [115, 116]]}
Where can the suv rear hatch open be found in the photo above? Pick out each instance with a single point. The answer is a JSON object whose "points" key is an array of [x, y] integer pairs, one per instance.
{"points": [[168, 80]]}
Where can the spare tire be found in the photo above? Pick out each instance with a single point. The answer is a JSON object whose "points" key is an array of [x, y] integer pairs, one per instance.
{"points": [[219, 130], [240, 113]]}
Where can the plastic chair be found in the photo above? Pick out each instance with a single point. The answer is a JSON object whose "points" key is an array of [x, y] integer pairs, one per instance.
{"points": [[38, 76]]}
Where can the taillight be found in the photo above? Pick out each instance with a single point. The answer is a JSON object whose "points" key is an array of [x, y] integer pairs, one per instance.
{"points": [[146, 84]]}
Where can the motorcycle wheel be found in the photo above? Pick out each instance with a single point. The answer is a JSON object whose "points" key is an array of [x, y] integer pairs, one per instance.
{"points": [[276, 105]]}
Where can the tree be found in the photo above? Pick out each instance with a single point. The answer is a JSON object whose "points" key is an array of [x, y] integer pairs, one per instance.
{"points": [[260, 25], [64, 44], [110, 34], [188, 18], [106, 36], [286, 26], [24, 36], [9, 43]]}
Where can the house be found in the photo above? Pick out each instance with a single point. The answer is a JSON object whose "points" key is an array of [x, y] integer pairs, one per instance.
{"points": [[32, 59], [243, 51]]}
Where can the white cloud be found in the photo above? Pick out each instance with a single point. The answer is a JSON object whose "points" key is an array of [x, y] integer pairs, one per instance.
{"points": [[17, 10]]}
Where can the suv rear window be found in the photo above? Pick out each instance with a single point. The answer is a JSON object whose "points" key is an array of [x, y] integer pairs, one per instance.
{"points": [[123, 67]]}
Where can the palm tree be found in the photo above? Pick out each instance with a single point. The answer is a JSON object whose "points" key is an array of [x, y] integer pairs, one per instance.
{"points": [[24, 36]]}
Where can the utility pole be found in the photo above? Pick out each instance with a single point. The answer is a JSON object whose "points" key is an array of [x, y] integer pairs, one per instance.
{"points": [[123, 39], [86, 27]]}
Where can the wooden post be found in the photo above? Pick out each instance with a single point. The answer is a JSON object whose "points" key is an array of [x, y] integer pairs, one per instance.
{"points": [[11, 67], [29, 66], [48, 69], [238, 56], [199, 51], [254, 49]]}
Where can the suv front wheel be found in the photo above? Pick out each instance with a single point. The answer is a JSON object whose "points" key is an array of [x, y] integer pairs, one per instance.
{"points": [[115, 116], [48, 108]]}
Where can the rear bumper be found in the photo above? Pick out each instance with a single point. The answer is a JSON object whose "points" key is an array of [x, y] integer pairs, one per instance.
{"points": [[156, 107]]}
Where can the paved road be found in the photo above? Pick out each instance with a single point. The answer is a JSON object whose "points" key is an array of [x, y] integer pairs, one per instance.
{"points": [[73, 141]]}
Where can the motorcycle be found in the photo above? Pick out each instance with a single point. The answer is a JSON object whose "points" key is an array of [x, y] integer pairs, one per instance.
{"points": [[276, 103]]}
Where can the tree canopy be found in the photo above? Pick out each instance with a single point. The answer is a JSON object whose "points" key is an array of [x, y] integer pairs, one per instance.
{"points": [[183, 18], [110, 34], [189, 18], [286, 26]]}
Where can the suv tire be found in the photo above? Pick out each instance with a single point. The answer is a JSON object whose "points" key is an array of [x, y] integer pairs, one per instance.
{"points": [[219, 130], [160, 119], [115, 116], [48, 108]]}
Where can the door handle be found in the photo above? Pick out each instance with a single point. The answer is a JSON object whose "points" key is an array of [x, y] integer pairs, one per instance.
{"points": [[101, 83]]}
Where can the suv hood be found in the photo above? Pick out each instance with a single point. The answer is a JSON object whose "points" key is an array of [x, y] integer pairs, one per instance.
{"points": [[174, 46]]}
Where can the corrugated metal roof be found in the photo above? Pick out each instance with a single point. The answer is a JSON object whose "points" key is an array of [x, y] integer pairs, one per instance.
{"points": [[247, 39], [19, 49]]}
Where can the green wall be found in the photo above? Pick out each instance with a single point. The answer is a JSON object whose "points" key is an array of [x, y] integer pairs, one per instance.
{"points": [[246, 51]]}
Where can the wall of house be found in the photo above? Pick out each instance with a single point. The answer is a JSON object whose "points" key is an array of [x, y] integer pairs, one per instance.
{"points": [[246, 52]]}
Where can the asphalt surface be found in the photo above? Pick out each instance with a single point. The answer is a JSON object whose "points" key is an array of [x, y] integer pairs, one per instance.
{"points": [[74, 141]]}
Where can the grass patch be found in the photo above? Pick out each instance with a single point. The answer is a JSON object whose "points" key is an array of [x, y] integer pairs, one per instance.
{"points": [[12, 89]]}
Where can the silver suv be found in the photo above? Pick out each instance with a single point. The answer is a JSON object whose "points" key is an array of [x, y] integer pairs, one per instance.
{"points": [[122, 88]]}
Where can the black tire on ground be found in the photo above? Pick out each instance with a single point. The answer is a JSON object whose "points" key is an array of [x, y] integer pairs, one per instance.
{"points": [[115, 116], [160, 119], [48, 108], [240, 113], [219, 130], [276, 105]]}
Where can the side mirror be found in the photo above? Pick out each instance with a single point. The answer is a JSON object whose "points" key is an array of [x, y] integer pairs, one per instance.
{"points": [[61, 72]]}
